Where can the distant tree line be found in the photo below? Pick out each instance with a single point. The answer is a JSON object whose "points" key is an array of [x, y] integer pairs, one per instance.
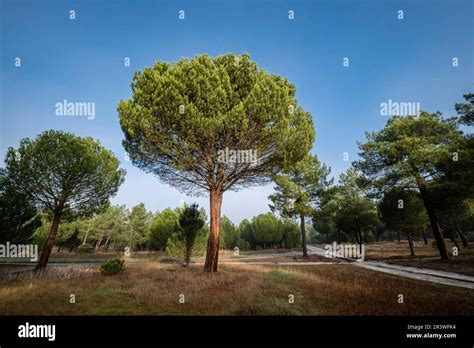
{"points": [[140, 230]]}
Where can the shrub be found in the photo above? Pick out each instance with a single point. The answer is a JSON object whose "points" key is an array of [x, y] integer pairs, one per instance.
{"points": [[242, 244], [85, 249], [291, 234], [176, 246], [113, 266]]}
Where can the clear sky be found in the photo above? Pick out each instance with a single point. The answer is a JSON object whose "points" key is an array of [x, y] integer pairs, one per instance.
{"points": [[82, 60]]}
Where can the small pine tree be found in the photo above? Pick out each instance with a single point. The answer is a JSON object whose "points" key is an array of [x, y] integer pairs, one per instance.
{"points": [[191, 222]]}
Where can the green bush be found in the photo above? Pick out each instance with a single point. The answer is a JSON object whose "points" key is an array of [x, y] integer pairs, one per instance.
{"points": [[162, 227], [242, 244], [85, 249], [291, 234], [113, 266]]}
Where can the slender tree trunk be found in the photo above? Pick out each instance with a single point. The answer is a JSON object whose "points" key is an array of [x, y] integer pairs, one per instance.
{"points": [[87, 233], [212, 254], [438, 234], [188, 254], [410, 243], [303, 236], [398, 233], [338, 236], [356, 236], [463, 238], [452, 236], [366, 237], [424, 237], [46, 252], [106, 247], [97, 244], [359, 232]]}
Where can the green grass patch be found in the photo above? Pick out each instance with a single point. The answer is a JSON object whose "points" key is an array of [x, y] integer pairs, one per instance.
{"points": [[106, 301], [280, 273]]}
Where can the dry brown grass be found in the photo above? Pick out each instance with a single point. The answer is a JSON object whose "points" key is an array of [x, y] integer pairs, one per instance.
{"points": [[300, 258], [427, 256], [238, 289], [394, 250], [344, 289], [463, 264], [223, 293], [66, 255], [269, 251]]}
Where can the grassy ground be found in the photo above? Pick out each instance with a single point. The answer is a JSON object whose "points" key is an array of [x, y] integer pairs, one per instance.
{"points": [[394, 250], [299, 258], [426, 256], [64, 256], [238, 289]]}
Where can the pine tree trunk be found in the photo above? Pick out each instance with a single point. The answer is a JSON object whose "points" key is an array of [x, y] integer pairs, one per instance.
{"points": [[438, 234], [452, 237], [97, 244], [410, 243], [212, 254], [303, 236], [366, 237], [106, 247], [87, 234], [48, 247], [424, 237], [356, 236], [358, 232], [188, 254], [463, 238]]}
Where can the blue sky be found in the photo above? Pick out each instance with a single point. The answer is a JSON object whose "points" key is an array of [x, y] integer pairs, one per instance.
{"points": [[81, 60]]}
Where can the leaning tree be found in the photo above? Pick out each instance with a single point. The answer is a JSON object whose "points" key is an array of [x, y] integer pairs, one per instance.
{"points": [[407, 154], [63, 174], [182, 117]]}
